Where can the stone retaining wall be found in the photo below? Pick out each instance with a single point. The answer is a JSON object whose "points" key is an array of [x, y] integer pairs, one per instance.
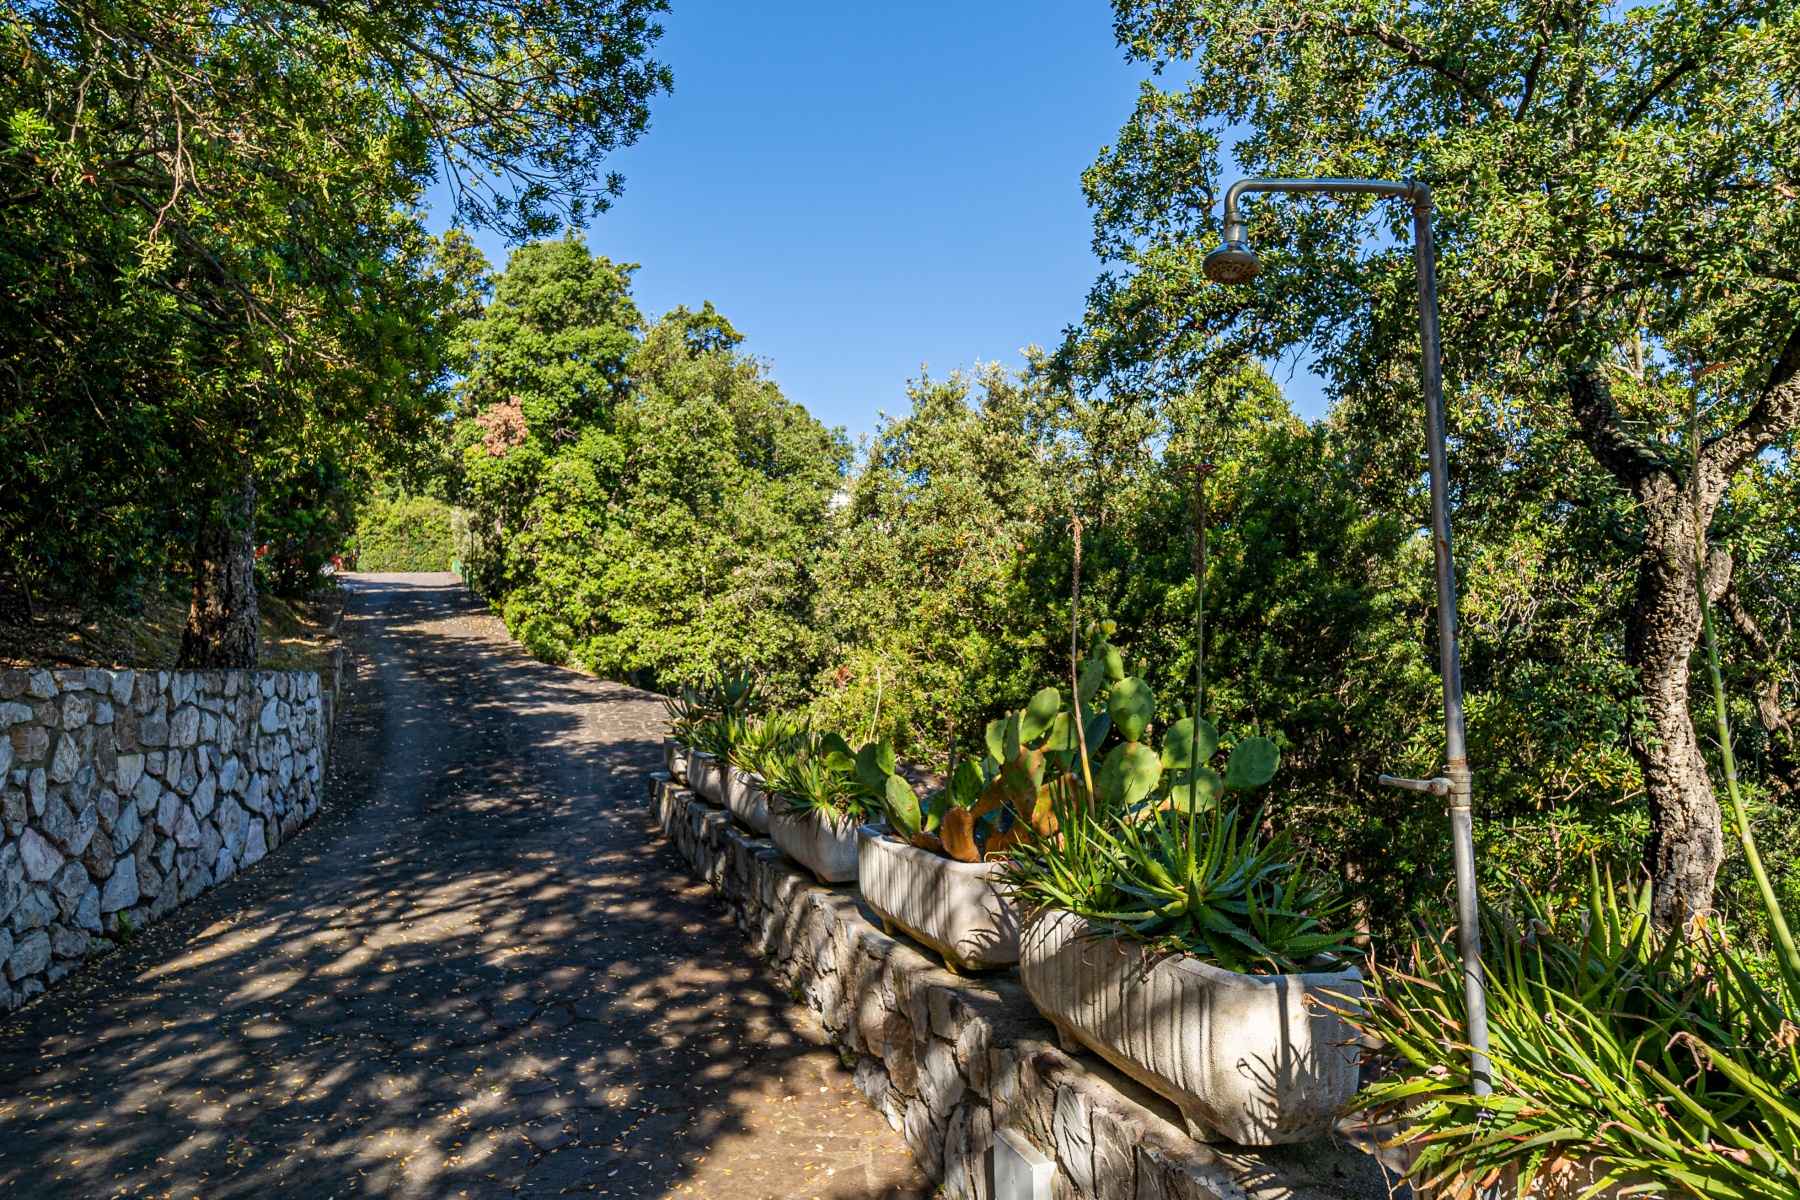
{"points": [[127, 793], [950, 1059]]}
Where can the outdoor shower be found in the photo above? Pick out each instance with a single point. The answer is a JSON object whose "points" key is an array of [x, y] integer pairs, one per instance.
{"points": [[1234, 262]]}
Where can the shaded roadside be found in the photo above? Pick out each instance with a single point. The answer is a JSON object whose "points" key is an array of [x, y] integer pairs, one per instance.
{"points": [[474, 975]]}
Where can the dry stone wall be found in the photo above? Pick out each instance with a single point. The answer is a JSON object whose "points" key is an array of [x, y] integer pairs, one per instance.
{"points": [[949, 1060], [127, 793]]}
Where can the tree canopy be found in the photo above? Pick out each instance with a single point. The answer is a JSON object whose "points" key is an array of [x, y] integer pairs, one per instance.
{"points": [[213, 253], [1616, 234]]}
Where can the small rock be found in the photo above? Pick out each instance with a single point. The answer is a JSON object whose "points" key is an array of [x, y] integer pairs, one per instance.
{"points": [[126, 831], [87, 910], [128, 771], [187, 830], [67, 887], [256, 845], [205, 794], [12, 880], [66, 759], [184, 729], [30, 956], [34, 911], [76, 710], [121, 890], [39, 858]]}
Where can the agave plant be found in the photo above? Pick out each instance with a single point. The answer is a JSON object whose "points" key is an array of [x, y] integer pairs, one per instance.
{"points": [[760, 737], [815, 775], [686, 709], [717, 735], [1194, 882]]}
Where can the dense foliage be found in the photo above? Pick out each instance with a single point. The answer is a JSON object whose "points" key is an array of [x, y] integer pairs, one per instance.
{"points": [[403, 533], [1617, 231], [643, 501], [215, 275]]}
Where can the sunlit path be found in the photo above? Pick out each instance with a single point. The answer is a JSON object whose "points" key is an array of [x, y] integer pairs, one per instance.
{"points": [[475, 975]]}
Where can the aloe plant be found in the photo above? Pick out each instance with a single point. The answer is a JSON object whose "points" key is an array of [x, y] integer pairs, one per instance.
{"points": [[760, 737], [815, 775]]}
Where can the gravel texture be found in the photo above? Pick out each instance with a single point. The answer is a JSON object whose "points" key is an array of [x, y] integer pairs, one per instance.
{"points": [[469, 977]]}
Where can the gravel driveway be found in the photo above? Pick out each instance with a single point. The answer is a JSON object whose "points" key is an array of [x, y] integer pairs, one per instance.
{"points": [[477, 974]]}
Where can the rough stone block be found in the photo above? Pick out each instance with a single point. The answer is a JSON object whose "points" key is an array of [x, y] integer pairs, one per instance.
{"points": [[70, 830], [30, 743], [87, 909], [1074, 1136], [255, 844], [30, 956], [941, 1084], [34, 911], [121, 890], [206, 793], [14, 883], [186, 828], [40, 860], [127, 829], [99, 857]]}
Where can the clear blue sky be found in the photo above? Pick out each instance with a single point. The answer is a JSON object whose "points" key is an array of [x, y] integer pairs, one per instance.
{"points": [[862, 188]]}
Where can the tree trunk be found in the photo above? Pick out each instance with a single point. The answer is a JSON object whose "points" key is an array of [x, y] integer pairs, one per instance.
{"points": [[1683, 851], [1685, 845], [222, 623]]}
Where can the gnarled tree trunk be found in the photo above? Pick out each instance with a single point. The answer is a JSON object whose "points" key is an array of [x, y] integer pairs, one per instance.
{"points": [[1685, 846], [1686, 843], [222, 622]]}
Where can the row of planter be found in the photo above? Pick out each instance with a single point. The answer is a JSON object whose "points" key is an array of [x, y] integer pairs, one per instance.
{"points": [[1251, 1059]]}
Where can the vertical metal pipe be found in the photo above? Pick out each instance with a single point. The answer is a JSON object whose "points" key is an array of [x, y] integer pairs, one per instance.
{"points": [[1462, 833]]}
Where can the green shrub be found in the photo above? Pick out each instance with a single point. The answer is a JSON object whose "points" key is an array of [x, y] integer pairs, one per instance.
{"points": [[405, 533]]}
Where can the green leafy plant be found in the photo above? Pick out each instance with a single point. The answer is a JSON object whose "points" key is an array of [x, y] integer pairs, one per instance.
{"points": [[814, 775], [1661, 1058], [760, 737], [686, 709], [1187, 881]]}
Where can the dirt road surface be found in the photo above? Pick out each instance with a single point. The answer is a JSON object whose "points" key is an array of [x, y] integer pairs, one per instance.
{"points": [[477, 974]]}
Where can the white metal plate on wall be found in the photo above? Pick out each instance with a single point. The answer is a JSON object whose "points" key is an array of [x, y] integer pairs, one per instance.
{"points": [[1021, 1172]]}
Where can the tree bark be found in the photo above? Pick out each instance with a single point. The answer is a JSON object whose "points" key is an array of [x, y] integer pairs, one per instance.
{"points": [[1686, 842], [222, 627], [1685, 845]]}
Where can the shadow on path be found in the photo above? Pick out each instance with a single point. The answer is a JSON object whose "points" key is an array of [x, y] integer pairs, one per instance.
{"points": [[476, 974]]}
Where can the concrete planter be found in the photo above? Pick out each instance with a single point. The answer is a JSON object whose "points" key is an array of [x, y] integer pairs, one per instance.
{"points": [[826, 848], [675, 759], [1253, 1059], [744, 797], [958, 909], [703, 777]]}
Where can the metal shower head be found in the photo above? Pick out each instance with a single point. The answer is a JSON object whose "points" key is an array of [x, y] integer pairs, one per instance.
{"points": [[1234, 261]]}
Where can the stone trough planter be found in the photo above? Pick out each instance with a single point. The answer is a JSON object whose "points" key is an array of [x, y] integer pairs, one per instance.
{"points": [[746, 799], [1253, 1059], [958, 909], [675, 759], [826, 848], [703, 777]]}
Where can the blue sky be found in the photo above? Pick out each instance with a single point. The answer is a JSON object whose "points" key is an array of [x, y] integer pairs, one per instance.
{"points": [[863, 188]]}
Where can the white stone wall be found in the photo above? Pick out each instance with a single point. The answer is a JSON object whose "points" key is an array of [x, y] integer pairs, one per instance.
{"points": [[127, 793], [950, 1059]]}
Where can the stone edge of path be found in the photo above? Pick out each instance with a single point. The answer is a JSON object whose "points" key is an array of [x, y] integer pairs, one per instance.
{"points": [[127, 794], [949, 1059]]}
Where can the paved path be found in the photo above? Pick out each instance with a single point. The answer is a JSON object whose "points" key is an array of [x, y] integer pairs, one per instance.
{"points": [[475, 975]]}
